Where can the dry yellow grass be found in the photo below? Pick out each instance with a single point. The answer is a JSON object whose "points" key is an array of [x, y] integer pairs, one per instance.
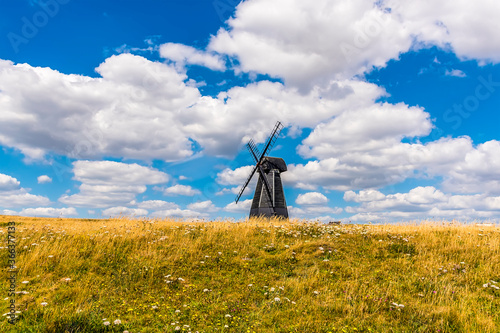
{"points": [[255, 276]]}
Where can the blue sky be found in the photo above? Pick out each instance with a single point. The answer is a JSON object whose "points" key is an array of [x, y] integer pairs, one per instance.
{"points": [[143, 108]]}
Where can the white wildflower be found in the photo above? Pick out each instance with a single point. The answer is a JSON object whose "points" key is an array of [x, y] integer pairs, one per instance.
{"points": [[106, 323], [44, 304], [117, 322]]}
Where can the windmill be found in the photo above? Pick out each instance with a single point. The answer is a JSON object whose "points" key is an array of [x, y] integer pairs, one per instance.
{"points": [[269, 198]]}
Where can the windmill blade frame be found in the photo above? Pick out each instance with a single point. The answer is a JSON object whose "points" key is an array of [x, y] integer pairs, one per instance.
{"points": [[271, 139], [246, 184], [252, 148]]}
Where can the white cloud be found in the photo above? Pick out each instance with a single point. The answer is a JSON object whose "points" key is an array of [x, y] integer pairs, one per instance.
{"points": [[223, 124], [363, 196], [134, 96], [138, 96], [422, 203], [311, 198], [8, 183], [371, 128], [295, 212], [48, 211], [157, 205], [178, 213], [305, 42], [240, 207], [183, 54], [108, 183], [13, 195], [310, 42], [455, 72], [44, 179], [9, 212], [203, 206], [461, 24], [478, 171], [234, 177], [181, 190], [22, 199], [124, 211]]}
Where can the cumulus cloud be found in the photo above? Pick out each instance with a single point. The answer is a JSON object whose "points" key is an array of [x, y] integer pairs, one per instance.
{"points": [[13, 195], [157, 205], [124, 211], [234, 177], [48, 211], [363, 196], [44, 179], [478, 171], [310, 42], [9, 212], [181, 190], [140, 97], [8, 183], [422, 202], [311, 198], [241, 207], [251, 111], [203, 206], [371, 128], [459, 24], [133, 96], [108, 183], [455, 73], [183, 54], [307, 42], [377, 164], [22, 198], [178, 213]]}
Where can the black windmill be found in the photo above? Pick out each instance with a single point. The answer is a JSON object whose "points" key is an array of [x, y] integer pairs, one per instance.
{"points": [[269, 198]]}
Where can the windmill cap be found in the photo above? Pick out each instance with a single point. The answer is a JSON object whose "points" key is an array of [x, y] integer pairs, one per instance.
{"points": [[274, 163]]}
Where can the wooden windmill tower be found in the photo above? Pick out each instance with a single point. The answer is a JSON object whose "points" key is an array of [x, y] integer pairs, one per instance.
{"points": [[269, 198]]}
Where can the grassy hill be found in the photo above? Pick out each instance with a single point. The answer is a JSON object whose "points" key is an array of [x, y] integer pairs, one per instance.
{"points": [[258, 276]]}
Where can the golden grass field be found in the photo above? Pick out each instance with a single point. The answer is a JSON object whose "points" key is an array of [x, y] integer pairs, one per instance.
{"points": [[261, 275]]}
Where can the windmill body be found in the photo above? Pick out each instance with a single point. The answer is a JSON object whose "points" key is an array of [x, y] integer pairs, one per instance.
{"points": [[269, 198], [262, 204]]}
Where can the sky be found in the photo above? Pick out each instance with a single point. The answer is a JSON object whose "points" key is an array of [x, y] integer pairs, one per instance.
{"points": [[143, 108]]}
